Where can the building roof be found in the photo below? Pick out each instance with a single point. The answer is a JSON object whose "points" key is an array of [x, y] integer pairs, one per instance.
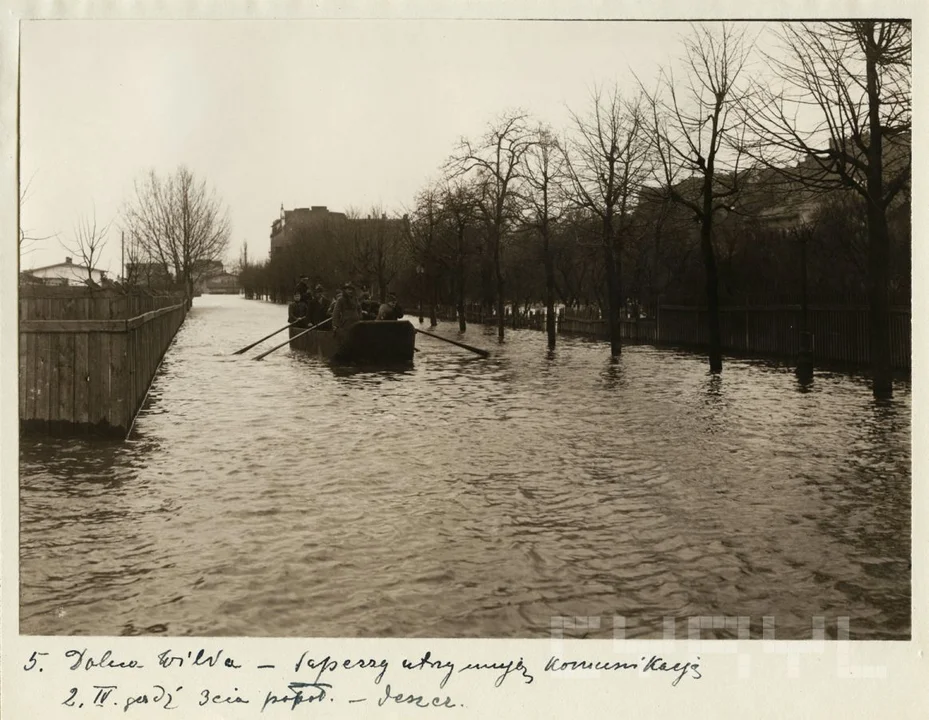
{"points": [[67, 263]]}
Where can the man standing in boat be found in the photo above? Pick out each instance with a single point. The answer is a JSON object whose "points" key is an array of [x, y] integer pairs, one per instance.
{"points": [[320, 305], [346, 311], [303, 288]]}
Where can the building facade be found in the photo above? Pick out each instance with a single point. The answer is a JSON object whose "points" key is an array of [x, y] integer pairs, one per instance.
{"points": [[222, 284], [291, 222]]}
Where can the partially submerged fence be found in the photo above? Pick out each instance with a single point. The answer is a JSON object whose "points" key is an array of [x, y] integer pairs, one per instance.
{"points": [[840, 333], [87, 357], [533, 319]]}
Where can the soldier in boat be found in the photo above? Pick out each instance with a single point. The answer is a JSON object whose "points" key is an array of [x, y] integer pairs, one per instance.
{"points": [[300, 307], [320, 305], [368, 307], [390, 310], [347, 310], [303, 288]]}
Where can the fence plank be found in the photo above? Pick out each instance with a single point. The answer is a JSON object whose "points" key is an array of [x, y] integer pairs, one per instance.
{"points": [[81, 378], [21, 346], [66, 378], [30, 384], [42, 378], [53, 378]]}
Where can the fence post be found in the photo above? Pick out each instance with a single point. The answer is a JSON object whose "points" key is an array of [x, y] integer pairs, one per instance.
{"points": [[658, 322]]}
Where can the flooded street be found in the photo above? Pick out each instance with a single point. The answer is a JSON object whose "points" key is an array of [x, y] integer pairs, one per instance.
{"points": [[469, 497]]}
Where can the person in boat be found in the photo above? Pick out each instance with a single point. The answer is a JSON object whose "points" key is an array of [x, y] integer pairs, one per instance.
{"points": [[303, 288], [321, 305], [298, 310], [347, 310], [390, 310], [369, 308]]}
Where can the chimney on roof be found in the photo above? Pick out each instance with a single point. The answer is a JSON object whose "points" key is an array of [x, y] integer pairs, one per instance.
{"points": [[67, 261]]}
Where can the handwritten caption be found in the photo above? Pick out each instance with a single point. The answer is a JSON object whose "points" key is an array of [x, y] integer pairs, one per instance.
{"points": [[204, 677]]}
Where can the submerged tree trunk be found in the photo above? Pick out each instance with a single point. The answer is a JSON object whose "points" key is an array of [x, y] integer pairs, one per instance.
{"points": [[879, 301], [878, 239], [712, 291], [498, 274], [549, 293], [612, 289], [462, 322]]}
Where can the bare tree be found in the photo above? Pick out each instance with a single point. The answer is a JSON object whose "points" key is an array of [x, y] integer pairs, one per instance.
{"points": [[179, 223], [458, 211], [384, 238], [242, 264], [422, 235], [87, 243], [844, 110], [697, 136], [495, 162], [544, 191], [607, 161]]}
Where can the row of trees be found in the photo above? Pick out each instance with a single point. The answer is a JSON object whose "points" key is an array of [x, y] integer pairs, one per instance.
{"points": [[676, 188]]}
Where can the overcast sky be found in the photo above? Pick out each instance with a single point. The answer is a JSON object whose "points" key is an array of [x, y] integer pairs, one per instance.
{"points": [[321, 112]]}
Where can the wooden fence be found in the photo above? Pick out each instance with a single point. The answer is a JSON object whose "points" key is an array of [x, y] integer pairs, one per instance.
{"points": [[588, 321], [840, 333], [87, 358]]}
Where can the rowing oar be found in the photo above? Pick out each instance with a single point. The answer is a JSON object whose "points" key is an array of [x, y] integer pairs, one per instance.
{"points": [[249, 347], [482, 353], [287, 342]]}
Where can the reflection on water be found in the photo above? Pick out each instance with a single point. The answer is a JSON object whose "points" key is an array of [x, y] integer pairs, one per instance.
{"points": [[466, 497]]}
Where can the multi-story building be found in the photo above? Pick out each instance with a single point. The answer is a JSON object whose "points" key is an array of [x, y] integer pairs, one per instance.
{"points": [[318, 217]]}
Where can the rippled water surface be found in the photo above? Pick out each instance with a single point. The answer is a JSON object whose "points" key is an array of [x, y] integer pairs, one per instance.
{"points": [[469, 497]]}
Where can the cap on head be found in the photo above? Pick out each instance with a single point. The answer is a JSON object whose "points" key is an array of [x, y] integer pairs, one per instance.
{"points": [[318, 288]]}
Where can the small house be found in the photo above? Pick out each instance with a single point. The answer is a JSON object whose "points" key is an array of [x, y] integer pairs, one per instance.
{"points": [[67, 273]]}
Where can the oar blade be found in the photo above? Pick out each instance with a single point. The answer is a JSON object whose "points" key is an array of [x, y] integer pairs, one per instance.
{"points": [[288, 341], [477, 351], [271, 335]]}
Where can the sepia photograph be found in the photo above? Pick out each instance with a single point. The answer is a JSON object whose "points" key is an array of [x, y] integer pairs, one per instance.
{"points": [[447, 328]]}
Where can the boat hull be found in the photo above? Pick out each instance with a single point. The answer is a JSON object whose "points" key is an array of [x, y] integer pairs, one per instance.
{"points": [[368, 343]]}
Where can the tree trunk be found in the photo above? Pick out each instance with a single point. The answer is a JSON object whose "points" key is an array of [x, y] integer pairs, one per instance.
{"points": [[462, 323], [433, 318], [498, 273], [549, 293], [612, 289], [879, 301], [878, 237], [712, 293]]}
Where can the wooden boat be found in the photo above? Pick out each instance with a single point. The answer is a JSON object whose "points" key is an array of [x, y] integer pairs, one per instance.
{"points": [[369, 342]]}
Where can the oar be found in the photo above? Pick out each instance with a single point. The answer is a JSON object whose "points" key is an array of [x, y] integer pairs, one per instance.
{"points": [[482, 353], [249, 347], [287, 342]]}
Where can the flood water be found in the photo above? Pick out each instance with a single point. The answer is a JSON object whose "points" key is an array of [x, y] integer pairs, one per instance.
{"points": [[470, 497]]}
